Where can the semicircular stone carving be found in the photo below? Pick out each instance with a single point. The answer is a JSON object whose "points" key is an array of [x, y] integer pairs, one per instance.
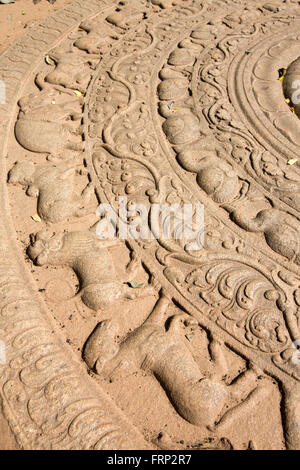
{"points": [[147, 342]]}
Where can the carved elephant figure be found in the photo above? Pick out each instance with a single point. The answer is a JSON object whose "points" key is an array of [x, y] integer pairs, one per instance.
{"points": [[45, 122]]}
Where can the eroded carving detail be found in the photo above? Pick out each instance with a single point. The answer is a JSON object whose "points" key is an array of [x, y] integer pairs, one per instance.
{"points": [[54, 188], [90, 259], [143, 97], [47, 121], [159, 346]]}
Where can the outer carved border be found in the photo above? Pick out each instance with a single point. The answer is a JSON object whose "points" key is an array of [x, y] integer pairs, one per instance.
{"points": [[47, 396]]}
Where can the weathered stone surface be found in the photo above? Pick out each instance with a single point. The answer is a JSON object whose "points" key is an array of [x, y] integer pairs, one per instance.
{"points": [[148, 343]]}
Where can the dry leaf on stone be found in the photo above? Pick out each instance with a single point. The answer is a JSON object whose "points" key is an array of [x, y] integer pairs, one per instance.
{"points": [[36, 218], [136, 285]]}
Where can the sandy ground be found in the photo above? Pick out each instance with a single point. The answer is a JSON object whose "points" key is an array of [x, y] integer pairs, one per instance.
{"points": [[16, 18]]}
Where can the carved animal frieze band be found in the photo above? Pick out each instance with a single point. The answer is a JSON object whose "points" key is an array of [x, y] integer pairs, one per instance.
{"points": [[161, 103]]}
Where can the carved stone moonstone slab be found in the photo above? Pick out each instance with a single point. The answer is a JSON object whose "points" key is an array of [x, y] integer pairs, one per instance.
{"points": [[147, 343]]}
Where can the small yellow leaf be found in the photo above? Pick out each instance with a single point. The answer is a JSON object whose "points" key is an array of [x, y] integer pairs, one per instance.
{"points": [[136, 285], [292, 161], [36, 218], [77, 93], [287, 100], [190, 337], [282, 73]]}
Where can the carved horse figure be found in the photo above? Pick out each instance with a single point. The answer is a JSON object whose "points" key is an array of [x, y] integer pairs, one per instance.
{"points": [[92, 262]]}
